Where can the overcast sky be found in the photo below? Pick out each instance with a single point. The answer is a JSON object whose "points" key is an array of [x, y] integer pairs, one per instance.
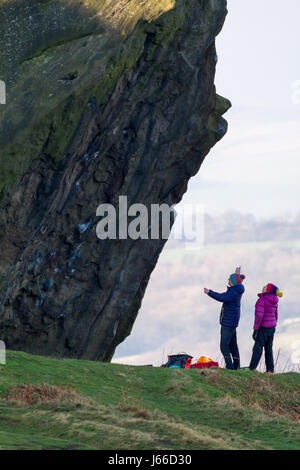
{"points": [[256, 167]]}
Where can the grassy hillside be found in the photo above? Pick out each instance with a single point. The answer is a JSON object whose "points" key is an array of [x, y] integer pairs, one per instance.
{"points": [[68, 404]]}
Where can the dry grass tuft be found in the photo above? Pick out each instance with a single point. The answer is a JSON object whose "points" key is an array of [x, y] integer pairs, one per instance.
{"points": [[30, 395], [178, 382], [137, 412], [264, 394], [272, 398], [260, 393], [174, 387], [228, 400], [132, 406]]}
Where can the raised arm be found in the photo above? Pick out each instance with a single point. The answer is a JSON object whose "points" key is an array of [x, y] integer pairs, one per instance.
{"points": [[225, 297]]}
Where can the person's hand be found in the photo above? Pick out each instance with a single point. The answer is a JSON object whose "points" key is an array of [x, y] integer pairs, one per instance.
{"points": [[206, 291], [255, 333], [238, 270]]}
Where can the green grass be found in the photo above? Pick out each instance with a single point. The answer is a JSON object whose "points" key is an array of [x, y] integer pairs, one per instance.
{"points": [[113, 406]]}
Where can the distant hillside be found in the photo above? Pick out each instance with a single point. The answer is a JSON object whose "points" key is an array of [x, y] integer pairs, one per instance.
{"points": [[71, 404], [235, 227]]}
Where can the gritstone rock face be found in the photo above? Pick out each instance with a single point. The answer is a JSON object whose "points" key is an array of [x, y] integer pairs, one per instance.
{"points": [[104, 98]]}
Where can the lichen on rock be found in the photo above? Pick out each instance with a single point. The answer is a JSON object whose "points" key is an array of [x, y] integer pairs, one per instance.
{"points": [[104, 98]]}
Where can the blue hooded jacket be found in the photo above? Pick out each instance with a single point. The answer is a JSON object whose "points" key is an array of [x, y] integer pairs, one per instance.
{"points": [[231, 310]]}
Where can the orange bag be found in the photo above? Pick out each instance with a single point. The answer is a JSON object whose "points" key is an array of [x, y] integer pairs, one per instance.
{"points": [[204, 360]]}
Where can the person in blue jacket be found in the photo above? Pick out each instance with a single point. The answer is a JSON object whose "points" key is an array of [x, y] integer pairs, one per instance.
{"points": [[229, 317]]}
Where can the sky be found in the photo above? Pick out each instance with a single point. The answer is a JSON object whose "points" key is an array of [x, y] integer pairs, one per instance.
{"points": [[256, 167]]}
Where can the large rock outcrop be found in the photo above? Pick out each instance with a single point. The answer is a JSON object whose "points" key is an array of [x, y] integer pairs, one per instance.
{"points": [[104, 98]]}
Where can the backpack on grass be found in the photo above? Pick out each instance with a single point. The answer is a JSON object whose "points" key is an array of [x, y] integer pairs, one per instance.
{"points": [[179, 361]]}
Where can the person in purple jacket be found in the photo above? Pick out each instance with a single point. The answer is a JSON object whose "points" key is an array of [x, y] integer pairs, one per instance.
{"points": [[230, 317], [266, 317]]}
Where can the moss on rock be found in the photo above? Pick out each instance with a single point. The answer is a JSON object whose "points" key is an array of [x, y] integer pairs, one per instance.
{"points": [[45, 41]]}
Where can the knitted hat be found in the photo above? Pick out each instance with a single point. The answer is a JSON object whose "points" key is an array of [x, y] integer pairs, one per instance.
{"points": [[236, 278], [272, 289]]}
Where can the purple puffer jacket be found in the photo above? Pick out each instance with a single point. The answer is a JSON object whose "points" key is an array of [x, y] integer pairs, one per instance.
{"points": [[266, 311]]}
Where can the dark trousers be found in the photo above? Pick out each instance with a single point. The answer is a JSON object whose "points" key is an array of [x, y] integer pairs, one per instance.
{"points": [[229, 347], [264, 340]]}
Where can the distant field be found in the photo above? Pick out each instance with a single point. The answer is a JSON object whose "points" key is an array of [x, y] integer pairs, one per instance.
{"points": [[69, 404], [173, 255]]}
